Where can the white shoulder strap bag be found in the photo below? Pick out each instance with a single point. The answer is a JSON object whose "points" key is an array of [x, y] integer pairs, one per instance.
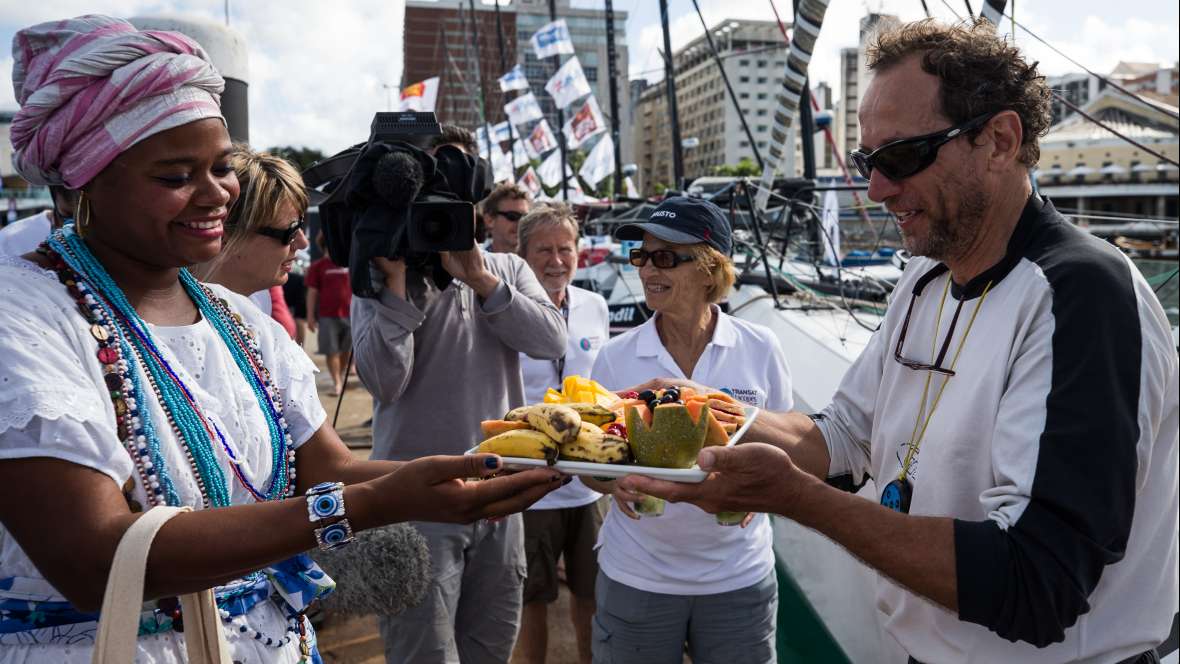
{"points": [[118, 625]]}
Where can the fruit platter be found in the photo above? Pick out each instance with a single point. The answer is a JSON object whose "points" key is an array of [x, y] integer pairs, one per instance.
{"points": [[585, 429]]}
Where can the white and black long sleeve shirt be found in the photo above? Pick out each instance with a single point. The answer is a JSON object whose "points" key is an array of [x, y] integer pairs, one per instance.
{"points": [[1054, 448]]}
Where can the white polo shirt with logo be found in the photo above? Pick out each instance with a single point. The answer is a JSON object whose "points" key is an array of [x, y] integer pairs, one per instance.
{"points": [[588, 330], [685, 551]]}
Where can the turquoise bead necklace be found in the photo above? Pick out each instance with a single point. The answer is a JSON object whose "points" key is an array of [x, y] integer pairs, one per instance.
{"points": [[103, 301]]}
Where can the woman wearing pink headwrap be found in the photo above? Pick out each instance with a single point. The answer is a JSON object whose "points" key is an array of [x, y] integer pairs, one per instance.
{"points": [[125, 383]]}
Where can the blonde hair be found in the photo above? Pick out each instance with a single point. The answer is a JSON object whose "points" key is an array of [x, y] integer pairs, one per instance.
{"points": [[717, 266], [544, 215], [267, 182]]}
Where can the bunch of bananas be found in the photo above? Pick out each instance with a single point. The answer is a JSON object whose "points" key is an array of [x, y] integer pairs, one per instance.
{"points": [[549, 431]]}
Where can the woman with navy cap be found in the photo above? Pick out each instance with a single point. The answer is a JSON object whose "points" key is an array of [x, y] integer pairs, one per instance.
{"points": [[680, 577]]}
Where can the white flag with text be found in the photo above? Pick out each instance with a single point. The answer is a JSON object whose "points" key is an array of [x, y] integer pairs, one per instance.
{"points": [[569, 84]]}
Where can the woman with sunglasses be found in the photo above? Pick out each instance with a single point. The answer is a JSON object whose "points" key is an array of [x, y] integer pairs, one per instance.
{"points": [[682, 576], [264, 231], [127, 384]]}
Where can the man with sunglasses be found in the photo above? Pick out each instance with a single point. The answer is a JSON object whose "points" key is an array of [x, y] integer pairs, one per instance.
{"points": [[1016, 410], [502, 211]]}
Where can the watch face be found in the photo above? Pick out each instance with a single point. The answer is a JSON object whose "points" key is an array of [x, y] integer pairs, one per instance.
{"points": [[896, 496]]}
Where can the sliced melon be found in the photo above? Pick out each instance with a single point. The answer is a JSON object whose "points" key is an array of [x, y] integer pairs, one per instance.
{"points": [[671, 440], [716, 434], [496, 427]]}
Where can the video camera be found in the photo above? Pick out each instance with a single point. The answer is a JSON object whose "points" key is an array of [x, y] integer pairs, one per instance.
{"points": [[390, 198]]}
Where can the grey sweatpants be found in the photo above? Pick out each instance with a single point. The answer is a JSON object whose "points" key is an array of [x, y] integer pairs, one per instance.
{"points": [[471, 613]]}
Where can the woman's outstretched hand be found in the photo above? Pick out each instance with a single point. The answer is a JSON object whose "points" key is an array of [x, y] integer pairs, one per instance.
{"points": [[459, 489]]}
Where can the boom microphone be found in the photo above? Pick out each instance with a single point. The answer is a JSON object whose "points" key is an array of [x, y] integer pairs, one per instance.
{"points": [[386, 571], [397, 178]]}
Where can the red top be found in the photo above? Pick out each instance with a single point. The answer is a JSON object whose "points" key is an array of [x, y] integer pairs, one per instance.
{"points": [[335, 294], [279, 310]]}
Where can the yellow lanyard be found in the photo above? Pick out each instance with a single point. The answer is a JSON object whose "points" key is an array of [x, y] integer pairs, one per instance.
{"points": [[917, 435]]}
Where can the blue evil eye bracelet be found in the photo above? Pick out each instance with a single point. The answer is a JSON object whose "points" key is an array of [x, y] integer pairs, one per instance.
{"points": [[326, 501]]}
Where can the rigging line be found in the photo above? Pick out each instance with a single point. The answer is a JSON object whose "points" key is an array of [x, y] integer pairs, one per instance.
{"points": [[1165, 281], [969, 12], [1070, 105], [925, 8], [948, 6], [1089, 71]]}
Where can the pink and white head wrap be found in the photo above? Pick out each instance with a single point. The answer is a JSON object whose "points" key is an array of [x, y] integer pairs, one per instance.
{"points": [[93, 86]]}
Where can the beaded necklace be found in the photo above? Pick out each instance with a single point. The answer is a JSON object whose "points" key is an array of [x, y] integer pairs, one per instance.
{"points": [[124, 338]]}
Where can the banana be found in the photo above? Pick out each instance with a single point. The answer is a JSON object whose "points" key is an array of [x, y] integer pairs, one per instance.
{"points": [[524, 443], [596, 446], [558, 421], [593, 413]]}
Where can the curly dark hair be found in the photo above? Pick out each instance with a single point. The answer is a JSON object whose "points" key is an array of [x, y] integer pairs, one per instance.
{"points": [[452, 135], [978, 71]]}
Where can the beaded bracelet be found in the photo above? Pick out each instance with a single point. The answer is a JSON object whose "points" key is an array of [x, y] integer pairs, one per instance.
{"points": [[325, 501]]}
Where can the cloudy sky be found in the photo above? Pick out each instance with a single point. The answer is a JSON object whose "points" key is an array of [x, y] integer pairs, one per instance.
{"points": [[317, 68]]}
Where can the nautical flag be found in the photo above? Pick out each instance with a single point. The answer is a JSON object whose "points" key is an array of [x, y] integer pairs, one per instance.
{"points": [[993, 10], [574, 193], [502, 167], [550, 170], [531, 182], [587, 122], [600, 162], [569, 83], [629, 189], [540, 141], [481, 140], [501, 132], [552, 39], [514, 80], [519, 154], [523, 109], [831, 228], [420, 96]]}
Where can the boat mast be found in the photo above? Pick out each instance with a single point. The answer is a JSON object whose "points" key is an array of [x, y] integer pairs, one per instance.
{"points": [[670, 87], [806, 123], [483, 101], [504, 68], [613, 73]]}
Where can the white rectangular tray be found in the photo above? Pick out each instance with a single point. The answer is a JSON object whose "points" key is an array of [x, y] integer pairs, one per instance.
{"points": [[614, 470]]}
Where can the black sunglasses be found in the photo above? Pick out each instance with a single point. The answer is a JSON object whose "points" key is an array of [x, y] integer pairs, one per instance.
{"points": [[904, 157], [510, 215], [665, 259], [284, 235]]}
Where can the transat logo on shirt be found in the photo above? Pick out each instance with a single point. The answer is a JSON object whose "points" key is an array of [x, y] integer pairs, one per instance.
{"points": [[752, 397]]}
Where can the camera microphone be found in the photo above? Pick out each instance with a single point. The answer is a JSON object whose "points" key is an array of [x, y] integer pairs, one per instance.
{"points": [[397, 178]]}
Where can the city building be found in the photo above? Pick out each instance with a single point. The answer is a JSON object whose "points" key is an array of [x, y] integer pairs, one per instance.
{"points": [[855, 77], [1144, 78], [754, 55], [439, 40], [1087, 170], [588, 32]]}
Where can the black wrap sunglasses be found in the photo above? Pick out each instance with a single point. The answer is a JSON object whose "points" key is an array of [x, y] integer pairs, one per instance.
{"points": [[510, 215], [665, 259], [284, 235], [904, 157]]}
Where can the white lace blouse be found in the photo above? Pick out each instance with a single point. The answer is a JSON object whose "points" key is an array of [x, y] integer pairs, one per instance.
{"points": [[54, 403]]}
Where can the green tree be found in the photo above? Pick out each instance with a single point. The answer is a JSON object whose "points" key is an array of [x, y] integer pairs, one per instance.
{"points": [[302, 157], [744, 168]]}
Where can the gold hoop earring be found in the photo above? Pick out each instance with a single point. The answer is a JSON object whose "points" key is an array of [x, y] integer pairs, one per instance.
{"points": [[82, 215]]}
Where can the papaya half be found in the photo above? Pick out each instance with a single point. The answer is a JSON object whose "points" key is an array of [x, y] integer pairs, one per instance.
{"points": [[716, 431], [672, 440]]}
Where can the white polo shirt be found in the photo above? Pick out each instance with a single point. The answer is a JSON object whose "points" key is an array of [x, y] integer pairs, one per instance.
{"points": [[685, 551], [589, 329], [24, 235]]}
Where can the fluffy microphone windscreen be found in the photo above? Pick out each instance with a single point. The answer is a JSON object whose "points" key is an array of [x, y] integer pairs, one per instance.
{"points": [[386, 571], [397, 177]]}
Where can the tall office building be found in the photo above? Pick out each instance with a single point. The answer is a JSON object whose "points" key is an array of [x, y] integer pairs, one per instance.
{"points": [[588, 32], [754, 56], [439, 40], [855, 77]]}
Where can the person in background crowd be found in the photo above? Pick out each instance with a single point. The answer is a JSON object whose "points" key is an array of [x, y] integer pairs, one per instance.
{"points": [[565, 523], [682, 577], [295, 295], [1026, 450], [264, 230], [456, 136], [329, 297], [437, 360], [24, 235], [502, 211], [117, 363]]}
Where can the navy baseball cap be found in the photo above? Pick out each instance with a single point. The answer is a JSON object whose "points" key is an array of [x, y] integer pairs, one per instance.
{"points": [[683, 220]]}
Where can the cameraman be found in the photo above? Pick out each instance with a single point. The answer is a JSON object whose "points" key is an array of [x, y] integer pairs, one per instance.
{"points": [[437, 362]]}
